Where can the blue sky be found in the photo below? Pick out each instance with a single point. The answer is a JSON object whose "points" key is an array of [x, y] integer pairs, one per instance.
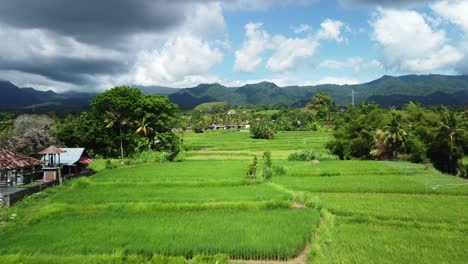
{"points": [[87, 45]]}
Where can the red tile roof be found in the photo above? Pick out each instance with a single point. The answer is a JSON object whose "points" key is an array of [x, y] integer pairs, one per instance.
{"points": [[10, 160]]}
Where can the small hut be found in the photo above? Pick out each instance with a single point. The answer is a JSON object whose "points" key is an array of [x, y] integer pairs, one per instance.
{"points": [[74, 160], [16, 168], [51, 158]]}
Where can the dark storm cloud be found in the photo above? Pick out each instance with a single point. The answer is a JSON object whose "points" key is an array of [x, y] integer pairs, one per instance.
{"points": [[75, 71], [93, 21]]}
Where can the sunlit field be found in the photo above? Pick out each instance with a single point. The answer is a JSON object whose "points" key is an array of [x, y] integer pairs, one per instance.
{"points": [[346, 211]]}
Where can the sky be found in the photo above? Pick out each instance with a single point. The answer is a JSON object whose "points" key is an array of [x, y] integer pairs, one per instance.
{"points": [[88, 45]]}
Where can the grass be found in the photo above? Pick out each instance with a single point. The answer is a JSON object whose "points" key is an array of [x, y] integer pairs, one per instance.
{"points": [[228, 144], [120, 193], [370, 177], [278, 233], [379, 243], [372, 211]]}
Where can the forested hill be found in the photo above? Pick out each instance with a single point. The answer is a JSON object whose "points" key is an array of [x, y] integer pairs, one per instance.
{"points": [[13, 97], [386, 91]]}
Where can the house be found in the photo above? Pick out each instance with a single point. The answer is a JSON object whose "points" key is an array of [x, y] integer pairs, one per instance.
{"points": [[74, 160], [52, 163], [16, 168], [231, 112], [64, 161]]}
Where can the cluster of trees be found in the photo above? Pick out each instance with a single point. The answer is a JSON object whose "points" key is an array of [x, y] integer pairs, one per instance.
{"points": [[412, 133], [123, 121]]}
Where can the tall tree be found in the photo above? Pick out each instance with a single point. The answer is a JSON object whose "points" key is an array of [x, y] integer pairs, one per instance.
{"points": [[321, 106], [446, 149], [394, 135]]}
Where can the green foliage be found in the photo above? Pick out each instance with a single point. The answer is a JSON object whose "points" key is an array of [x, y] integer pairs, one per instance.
{"points": [[309, 155], [123, 121], [251, 171], [262, 129], [321, 106], [267, 165], [206, 259], [278, 170], [320, 250]]}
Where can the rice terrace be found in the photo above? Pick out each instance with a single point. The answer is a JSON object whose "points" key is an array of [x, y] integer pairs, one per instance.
{"points": [[233, 131], [339, 211]]}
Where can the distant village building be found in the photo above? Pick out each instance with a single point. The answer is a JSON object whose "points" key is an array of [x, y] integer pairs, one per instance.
{"points": [[16, 168], [64, 161], [51, 158], [74, 160], [231, 112]]}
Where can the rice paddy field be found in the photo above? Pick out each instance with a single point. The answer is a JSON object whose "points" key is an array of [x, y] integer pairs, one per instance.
{"points": [[203, 205]]}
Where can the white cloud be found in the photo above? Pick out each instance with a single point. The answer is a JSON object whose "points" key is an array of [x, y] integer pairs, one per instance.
{"points": [[205, 20], [300, 28], [285, 80], [330, 30], [249, 56], [332, 64], [289, 52], [454, 11], [410, 44], [182, 57], [262, 4], [354, 63], [24, 44]]}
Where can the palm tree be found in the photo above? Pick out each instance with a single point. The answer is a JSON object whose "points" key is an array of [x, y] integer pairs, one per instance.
{"points": [[113, 120], [395, 136], [143, 127], [452, 130]]}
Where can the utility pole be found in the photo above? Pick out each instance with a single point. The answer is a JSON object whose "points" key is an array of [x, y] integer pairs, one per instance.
{"points": [[352, 97]]}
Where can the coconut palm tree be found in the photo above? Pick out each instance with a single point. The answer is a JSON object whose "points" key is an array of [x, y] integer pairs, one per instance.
{"points": [[453, 131], [116, 120], [395, 136], [144, 128]]}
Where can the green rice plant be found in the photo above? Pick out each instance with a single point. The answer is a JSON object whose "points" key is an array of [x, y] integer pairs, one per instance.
{"points": [[309, 155], [381, 243], [278, 170], [320, 250], [329, 174], [206, 259], [165, 193], [253, 234]]}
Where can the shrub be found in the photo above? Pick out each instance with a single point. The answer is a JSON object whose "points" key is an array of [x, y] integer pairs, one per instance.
{"points": [[308, 155], [279, 170], [204, 259], [329, 174], [262, 129], [252, 168], [109, 164], [267, 170]]}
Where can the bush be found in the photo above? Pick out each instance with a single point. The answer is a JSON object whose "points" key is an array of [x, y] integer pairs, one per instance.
{"points": [[262, 129], [279, 170], [204, 259], [152, 156], [308, 155], [252, 168], [267, 170], [109, 164]]}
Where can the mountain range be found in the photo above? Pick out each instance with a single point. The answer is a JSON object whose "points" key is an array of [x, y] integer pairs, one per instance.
{"points": [[386, 91]]}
